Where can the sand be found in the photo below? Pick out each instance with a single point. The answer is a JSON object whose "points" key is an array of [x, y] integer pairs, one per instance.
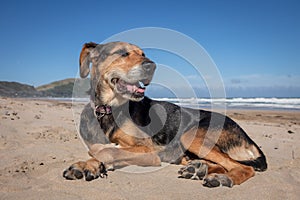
{"points": [[39, 140]]}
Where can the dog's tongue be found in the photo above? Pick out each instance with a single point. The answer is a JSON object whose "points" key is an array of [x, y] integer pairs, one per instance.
{"points": [[134, 88], [140, 90]]}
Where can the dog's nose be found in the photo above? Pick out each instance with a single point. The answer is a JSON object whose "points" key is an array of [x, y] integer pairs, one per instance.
{"points": [[148, 65]]}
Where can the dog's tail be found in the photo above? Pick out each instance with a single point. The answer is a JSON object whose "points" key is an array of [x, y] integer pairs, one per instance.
{"points": [[243, 149], [259, 164], [248, 153]]}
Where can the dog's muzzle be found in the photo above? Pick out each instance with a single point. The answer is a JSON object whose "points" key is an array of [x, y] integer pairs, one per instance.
{"points": [[133, 84]]}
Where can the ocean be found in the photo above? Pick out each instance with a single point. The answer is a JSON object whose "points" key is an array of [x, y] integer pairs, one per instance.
{"points": [[228, 103], [239, 103]]}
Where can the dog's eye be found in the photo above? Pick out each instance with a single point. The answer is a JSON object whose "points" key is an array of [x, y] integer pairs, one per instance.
{"points": [[122, 53], [125, 54], [143, 54]]}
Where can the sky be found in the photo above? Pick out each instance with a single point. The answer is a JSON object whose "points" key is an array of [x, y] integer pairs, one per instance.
{"points": [[254, 44]]}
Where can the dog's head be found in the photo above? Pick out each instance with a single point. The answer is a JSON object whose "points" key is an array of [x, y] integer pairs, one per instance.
{"points": [[120, 71]]}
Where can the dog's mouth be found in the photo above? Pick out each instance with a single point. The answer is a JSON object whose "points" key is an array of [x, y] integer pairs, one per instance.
{"points": [[135, 90]]}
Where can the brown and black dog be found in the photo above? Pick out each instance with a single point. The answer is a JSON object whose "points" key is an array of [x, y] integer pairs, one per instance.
{"points": [[213, 147]]}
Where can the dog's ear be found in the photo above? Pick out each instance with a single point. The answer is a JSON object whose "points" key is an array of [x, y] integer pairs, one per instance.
{"points": [[85, 58]]}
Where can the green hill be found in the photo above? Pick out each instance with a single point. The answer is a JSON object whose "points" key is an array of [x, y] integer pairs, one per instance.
{"points": [[15, 89], [63, 88], [55, 84]]}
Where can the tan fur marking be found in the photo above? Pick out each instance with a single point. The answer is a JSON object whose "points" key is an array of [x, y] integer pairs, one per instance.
{"points": [[119, 63], [120, 157], [214, 168], [129, 135]]}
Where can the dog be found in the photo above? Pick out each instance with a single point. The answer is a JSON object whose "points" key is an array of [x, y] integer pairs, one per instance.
{"points": [[123, 127]]}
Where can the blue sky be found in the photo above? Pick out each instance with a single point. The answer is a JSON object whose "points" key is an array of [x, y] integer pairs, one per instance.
{"points": [[255, 44]]}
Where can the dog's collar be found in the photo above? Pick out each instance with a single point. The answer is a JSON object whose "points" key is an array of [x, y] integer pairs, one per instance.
{"points": [[101, 110]]}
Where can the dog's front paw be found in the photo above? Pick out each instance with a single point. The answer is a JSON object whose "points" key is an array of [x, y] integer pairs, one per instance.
{"points": [[75, 171], [92, 173], [92, 169], [195, 170]]}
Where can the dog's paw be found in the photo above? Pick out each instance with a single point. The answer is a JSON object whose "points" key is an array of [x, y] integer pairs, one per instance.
{"points": [[90, 170], [94, 173], [216, 180], [195, 170], [73, 173]]}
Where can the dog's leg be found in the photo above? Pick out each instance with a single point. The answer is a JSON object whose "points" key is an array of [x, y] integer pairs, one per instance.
{"points": [[236, 173], [120, 157], [110, 158]]}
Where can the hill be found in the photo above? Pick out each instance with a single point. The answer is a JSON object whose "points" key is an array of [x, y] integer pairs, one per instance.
{"points": [[62, 88], [15, 89], [52, 85]]}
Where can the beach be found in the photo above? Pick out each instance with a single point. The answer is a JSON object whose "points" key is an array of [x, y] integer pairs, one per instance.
{"points": [[39, 139]]}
